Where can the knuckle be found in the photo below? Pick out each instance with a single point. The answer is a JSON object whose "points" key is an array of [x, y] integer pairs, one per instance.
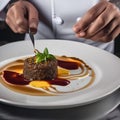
{"points": [[14, 31], [101, 34], [112, 6], [19, 22], [7, 20], [91, 30], [101, 21], [9, 12], [95, 39], [103, 40], [20, 30], [33, 20], [107, 39], [90, 14], [13, 7]]}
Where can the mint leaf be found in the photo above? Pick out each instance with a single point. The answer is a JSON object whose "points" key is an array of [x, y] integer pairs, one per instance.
{"points": [[41, 57], [50, 56], [45, 52]]}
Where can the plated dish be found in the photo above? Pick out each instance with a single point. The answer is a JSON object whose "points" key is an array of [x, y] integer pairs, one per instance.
{"points": [[58, 75], [86, 82]]}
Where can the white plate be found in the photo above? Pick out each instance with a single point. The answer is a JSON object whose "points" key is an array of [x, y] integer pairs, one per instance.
{"points": [[105, 65]]}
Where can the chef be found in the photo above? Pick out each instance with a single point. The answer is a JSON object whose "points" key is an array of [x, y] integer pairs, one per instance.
{"points": [[94, 22]]}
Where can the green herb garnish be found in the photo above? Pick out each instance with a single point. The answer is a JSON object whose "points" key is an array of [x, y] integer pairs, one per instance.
{"points": [[42, 57]]}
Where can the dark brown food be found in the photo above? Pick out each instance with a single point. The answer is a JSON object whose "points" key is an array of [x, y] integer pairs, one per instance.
{"points": [[46, 70]]}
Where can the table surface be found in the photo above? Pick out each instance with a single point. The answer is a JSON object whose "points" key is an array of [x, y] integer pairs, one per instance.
{"points": [[105, 109]]}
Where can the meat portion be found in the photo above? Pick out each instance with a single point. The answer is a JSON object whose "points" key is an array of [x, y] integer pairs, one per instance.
{"points": [[46, 70]]}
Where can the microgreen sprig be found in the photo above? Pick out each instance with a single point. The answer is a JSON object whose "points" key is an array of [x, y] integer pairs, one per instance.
{"points": [[42, 57]]}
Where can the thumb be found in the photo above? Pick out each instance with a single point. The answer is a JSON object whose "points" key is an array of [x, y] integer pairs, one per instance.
{"points": [[33, 18]]}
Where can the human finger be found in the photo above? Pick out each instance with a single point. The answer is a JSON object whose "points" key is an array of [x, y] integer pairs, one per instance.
{"points": [[106, 30], [33, 17], [102, 21], [89, 17], [11, 25], [9, 20], [20, 19], [112, 35], [15, 17]]}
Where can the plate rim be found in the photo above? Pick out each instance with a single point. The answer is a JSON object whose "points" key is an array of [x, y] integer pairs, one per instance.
{"points": [[89, 101]]}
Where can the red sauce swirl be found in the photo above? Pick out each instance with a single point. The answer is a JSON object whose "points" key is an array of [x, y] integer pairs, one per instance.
{"points": [[18, 79]]}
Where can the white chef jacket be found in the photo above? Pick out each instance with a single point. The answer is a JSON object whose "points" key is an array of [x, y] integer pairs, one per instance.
{"points": [[57, 18]]}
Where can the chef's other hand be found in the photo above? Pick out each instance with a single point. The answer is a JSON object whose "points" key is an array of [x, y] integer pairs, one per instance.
{"points": [[100, 23], [22, 16]]}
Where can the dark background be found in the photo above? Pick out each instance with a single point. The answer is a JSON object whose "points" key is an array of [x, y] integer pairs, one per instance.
{"points": [[6, 34]]}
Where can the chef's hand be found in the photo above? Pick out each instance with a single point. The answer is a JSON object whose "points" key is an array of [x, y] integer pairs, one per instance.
{"points": [[100, 23], [22, 16]]}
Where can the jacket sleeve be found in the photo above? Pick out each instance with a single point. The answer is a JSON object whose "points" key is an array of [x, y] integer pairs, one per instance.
{"points": [[3, 3]]}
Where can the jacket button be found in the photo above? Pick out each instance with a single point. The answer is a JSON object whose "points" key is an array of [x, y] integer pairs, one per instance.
{"points": [[58, 20]]}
